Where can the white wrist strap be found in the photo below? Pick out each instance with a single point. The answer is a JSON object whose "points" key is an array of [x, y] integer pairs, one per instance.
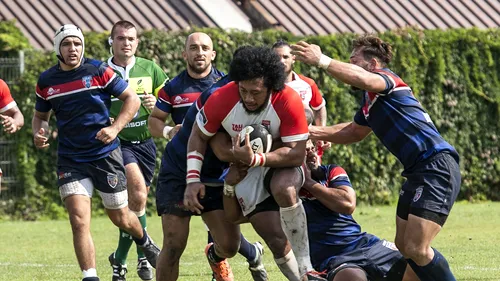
{"points": [[194, 164], [259, 159], [167, 130], [228, 190], [324, 61]]}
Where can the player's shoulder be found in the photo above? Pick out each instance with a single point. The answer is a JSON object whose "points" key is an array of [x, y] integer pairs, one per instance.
{"points": [[3, 85], [217, 73], [227, 90], [389, 73], [306, 79], [47, 75], [286, 94], [145, 64], [334, 171], [94, 63]]}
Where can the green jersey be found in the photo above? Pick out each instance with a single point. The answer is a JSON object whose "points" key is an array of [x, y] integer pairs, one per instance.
{"points": [[144, 76]]}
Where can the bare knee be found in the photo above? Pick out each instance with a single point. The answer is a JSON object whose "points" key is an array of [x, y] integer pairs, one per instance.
{"points": [[285, 195], [137, 199], [79, 223], [401, 246], [414, 251], [120, 218], [352, 274], [278, 246], [228, 248]]}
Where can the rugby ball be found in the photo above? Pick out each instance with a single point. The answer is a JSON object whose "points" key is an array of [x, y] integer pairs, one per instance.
{"points": [[261, 139]]}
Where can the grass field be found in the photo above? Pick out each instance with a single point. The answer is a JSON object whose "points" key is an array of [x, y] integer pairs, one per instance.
{"points": [[44, 251]]}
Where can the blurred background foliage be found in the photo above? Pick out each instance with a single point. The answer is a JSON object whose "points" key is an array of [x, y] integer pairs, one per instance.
{"points": [[454, 74]]}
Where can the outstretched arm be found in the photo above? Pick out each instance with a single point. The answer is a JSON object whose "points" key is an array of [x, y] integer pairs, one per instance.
{"points": [[344, 133], [346, 72]]}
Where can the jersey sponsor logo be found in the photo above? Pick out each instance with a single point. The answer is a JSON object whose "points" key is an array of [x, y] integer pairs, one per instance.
{"points": [[136, 124], [303, 94], [418, 194], [52, 91], [112, 180], [64, 175], [179, 100], [202, 117], [87, 81], [237, 127]]}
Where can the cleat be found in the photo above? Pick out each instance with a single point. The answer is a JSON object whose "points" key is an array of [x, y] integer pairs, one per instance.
{"points": [[315, 276], [151, 251], [119, 270], [144, 269], [222, 270], [91, 279], [256, 268]]}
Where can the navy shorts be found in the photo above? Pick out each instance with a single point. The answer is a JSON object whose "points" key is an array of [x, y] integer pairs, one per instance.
{"points": [[107, 174], [432, 186], [170, 196], [143, 154], [381, 262]]}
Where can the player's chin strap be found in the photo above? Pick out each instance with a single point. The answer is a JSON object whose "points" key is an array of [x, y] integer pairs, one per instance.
{"points": [[194, 164]]}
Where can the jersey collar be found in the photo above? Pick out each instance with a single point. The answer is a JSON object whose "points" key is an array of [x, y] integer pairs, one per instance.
{"points": [[123, 71]]}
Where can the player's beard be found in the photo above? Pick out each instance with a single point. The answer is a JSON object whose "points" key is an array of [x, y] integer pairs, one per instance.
{"points": [[260, 108], [199, 69]]}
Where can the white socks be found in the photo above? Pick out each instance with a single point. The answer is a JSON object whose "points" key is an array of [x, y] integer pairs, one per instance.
{"points": [[288, 266], [91, 272], [294, 223]]}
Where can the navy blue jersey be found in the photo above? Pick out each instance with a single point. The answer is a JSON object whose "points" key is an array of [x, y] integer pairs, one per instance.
{"points": [[181, 92], [399, 121], [80, 99], [174, 158], [331, 234]]}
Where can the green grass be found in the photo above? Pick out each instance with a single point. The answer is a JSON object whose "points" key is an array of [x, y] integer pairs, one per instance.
{"points": [[44, 251]]}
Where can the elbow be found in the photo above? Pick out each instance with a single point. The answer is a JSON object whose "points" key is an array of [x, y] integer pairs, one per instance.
{"points": [[348, 208]]}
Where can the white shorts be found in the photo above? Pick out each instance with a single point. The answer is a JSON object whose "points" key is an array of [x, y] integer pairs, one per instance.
{"points": [[251, 191], [112, 201]]}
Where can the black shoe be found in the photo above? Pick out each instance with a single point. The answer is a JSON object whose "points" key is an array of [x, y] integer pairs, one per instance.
{"points": [[144, 269], [119, 270], [151, 251], [91, 279]]}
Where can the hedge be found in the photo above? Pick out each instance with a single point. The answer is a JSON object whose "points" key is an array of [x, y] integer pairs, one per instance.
{"points": [[454, 73]]}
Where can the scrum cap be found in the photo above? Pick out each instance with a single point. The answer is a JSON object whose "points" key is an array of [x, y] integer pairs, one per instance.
{"points": [[64, 31]]}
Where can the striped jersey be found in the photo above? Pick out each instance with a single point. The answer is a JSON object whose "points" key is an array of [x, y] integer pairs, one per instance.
{"points": [[398, 119], [181, 92], [331, 234], [174, 158], [144, 76], [80, 99]]}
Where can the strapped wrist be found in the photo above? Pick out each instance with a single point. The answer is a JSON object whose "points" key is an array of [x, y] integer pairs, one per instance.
{"points": [[229, 190], [167, 130], [259, 159], [194, 164], [324, 61]]}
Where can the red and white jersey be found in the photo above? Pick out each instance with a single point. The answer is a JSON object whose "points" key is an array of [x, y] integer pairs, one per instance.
{"points": [[307, 90], [284, 115], [6, 100]]}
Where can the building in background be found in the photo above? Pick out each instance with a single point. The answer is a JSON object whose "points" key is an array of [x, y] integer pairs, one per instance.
{"points": [[38, 19]]}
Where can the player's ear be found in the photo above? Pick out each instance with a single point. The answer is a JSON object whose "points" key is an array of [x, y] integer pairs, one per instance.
{"points": [[110, 41], [214, 54]]}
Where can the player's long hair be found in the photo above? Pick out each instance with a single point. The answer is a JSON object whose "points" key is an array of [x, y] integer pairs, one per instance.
{"points": [[258, 62], [372, 46]]}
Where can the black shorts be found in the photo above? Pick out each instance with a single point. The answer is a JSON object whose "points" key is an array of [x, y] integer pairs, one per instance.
{"points": [[107, 174], [143, 154], [170, 196], [380, 261], [431, 188]]}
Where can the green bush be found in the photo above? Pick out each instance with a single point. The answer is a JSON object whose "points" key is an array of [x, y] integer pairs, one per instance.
{"points": [[454, 74]]}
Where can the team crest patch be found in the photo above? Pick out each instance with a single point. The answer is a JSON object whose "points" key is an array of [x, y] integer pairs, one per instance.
{"points": [[87, 81], [418, 194], [112, 180]]}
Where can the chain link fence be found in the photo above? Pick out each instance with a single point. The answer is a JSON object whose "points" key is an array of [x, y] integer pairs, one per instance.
{"points": [[11, 68]]}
